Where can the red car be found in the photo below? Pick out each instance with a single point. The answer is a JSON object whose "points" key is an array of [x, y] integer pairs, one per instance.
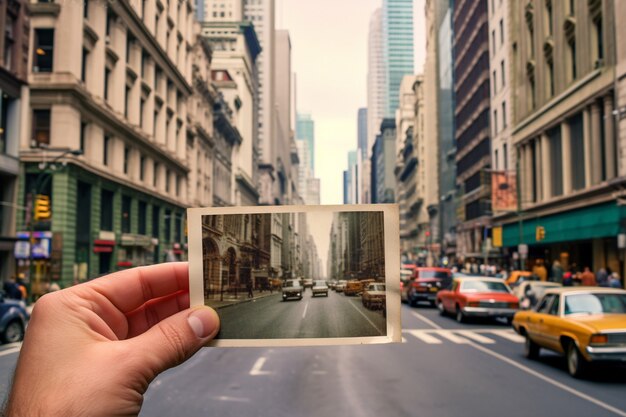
{"points": [[478, 297], [425, 284]]}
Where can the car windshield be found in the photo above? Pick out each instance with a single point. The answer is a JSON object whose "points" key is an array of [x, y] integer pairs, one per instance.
{"points": [[292, 283], [434, 274], [320, 283], [483, 286], [597, 303], [376, 287]]}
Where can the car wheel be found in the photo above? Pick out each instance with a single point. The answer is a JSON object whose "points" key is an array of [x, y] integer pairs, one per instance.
{"points": [[440, 307], [531, 349], [14, 332], [460, 317], [577, 365]]}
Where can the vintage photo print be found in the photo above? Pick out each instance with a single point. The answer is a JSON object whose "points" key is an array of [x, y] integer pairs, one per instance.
{"points": [[298, 275]]}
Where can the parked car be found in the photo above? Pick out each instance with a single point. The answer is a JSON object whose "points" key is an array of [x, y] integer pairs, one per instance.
{"points": [[477, 297], [353, 287], [292, 288], [320, 287], [308, 283], [13, 319], [425, 284], [341, 285], [374, 295], [332, 283], [530, 292], [586, 324]]}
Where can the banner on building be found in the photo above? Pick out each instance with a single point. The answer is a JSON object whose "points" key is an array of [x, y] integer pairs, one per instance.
{"points": [[503, 191]]}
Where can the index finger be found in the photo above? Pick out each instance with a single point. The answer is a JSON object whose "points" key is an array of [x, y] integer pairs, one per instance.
{"points": [[130, 289]]}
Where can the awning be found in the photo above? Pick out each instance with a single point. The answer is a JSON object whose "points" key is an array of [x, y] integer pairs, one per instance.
{"points": [[592, 222]]}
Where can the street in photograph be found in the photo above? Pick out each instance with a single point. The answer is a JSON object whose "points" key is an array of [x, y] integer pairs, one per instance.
{"points": [[276, 275]]}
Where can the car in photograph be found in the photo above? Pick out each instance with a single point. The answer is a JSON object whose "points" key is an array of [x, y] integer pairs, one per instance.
{"points": [[307, 283], [292, 288], [320, 288], [353, 287], [586, 324], [477, 297], [374, 295], [425, 278], [341, 285], [332, 283], [530, 292], [13, 319]]}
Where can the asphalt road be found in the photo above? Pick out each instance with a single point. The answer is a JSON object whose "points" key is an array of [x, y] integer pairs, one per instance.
{"points": [[271, 317], [443, 369]]}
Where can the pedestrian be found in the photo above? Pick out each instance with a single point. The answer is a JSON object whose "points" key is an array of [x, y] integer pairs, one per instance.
{"points": [[614, 281], [568, 280], [249, 288], [540, 270], [602, 278], [587, 278], [557, 272], [21, 285]]}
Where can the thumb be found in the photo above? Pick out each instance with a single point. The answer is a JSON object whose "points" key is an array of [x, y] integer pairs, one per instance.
{"points": [[175, 339]]}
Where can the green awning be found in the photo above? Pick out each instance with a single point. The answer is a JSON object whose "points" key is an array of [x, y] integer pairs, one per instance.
{"points": [[587, 223]]}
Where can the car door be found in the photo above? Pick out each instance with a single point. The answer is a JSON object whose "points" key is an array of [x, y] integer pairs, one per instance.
{"points": [[448, 296], [536, 326], [550, 327]]}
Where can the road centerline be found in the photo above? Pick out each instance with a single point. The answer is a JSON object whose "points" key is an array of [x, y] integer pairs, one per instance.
{"points": [[306, 306], [257, 368]]}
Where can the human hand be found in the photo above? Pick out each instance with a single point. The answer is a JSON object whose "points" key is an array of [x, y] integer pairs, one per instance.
{"points": [[93, 349]]}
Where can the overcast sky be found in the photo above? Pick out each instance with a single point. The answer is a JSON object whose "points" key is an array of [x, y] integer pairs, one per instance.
{"points": [[329, 57]]}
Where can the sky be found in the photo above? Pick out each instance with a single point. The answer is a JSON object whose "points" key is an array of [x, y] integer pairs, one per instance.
{"points": [[319, 223], [329, 58]]}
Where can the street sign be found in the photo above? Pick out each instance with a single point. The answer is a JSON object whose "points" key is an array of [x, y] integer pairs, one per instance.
{"points": [[522, 248]]}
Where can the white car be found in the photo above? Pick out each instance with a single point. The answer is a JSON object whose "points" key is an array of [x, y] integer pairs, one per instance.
{"points": [[320, 287], [292, 288], [530, 292]]}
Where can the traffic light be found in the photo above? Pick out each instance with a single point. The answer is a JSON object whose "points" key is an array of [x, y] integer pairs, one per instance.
{"points": [[42, 209], [540, 233]]}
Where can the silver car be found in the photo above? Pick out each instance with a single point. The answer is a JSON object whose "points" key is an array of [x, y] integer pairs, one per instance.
{"points": [[320, 287]]}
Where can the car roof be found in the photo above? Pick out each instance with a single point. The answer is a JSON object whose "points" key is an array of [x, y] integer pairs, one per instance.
{"points": [[478, 278], [541, 283], [574, 290]]}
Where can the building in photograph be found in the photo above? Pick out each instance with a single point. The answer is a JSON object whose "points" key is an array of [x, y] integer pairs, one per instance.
{"points": [[305, 131], [352, 178], [445, 131], [15, 25], [110, 86], [383, 163], [471, 124], [563, 89]]}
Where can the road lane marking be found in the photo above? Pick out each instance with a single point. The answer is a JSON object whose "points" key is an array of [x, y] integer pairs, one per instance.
{"points": [[232, 399], [366, 318], [476, 337], [306, 306], [550, 381], [319, 372], [447, 334], [426, 320], [257, 368], [509, 335], [424, 337], [9, 351]]}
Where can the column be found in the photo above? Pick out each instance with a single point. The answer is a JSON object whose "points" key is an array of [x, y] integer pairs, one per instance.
{"points": [[545, 167], [539, 173], [566, 144], [587, 147], [529, 174], [609, 138], [596, 146]]}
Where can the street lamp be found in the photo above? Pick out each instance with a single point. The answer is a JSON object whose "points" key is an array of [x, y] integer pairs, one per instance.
{"points": [[40, 182]]}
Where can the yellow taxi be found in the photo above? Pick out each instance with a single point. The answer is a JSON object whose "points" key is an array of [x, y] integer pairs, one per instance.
{"points": [[587, 324]]}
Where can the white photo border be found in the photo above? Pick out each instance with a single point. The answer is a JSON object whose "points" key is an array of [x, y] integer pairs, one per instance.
{"points": [[392, 270]]}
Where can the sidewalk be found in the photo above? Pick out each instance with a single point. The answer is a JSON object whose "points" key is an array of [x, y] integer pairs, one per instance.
{"points": [[242, 297]]}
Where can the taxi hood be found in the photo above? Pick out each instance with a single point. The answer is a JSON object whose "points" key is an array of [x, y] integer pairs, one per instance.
{"points": [[600, 322]]}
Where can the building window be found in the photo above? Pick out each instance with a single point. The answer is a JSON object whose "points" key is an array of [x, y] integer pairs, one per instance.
{"points": [[156, 212], [177, 186], [551, 77], [142, 220], [142, 167], [44, 50], [572, 7], [5, 102], [503, 114], [572, 53], [154, 123], [86, 9], [144, 61], [142, 106], [167, 180], [107, 82], [126, 205], [549, 17], [155, 174], [495, 122], [178, 225], [494, 82], [130, 41], [41, 126], [556, 166], [533, 92], [501, 32], [105, 150], [493, 42], [577, 145], [599, 41], [126, 158], [109, 23], [83, 136], [126, 101], [8, 41], [495, 158], [106, 210], [505, 155], [503, 73], [168, 226]]}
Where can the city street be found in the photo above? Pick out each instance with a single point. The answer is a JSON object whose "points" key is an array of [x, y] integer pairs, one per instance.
{"points": [[270, 317], [443, 368]]}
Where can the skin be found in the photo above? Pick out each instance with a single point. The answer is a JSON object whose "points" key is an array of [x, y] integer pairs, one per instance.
{"points": [[93, 349]]}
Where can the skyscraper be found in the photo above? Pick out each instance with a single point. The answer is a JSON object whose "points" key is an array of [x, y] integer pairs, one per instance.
{"points": [[362, 133], [397, 48], [305, 130], [375, 79]]}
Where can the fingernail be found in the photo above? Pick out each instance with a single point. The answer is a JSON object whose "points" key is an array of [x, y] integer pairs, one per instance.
{"points": [[203, 321]]}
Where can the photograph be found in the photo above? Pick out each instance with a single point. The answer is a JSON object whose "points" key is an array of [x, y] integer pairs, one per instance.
{"points": [[298, 275]]}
